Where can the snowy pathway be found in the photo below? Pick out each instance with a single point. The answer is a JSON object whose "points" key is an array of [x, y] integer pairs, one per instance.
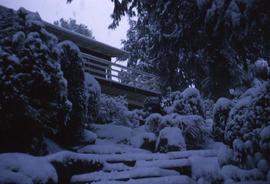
{"points": [[127, 165]]}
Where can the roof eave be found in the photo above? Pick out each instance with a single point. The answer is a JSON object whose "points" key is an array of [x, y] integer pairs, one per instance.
{"points": [[85, 41]]}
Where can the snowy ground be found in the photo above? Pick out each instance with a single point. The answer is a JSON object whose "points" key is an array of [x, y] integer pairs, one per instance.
{"points": [[117, 161]]}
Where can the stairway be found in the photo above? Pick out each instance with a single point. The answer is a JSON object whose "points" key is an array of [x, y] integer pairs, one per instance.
{"points": [[145, 168]]}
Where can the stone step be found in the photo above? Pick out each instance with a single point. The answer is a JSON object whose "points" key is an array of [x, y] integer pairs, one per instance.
{"points": [[131, 158], [134, 173], [111, 149], [159, 180], [183, 166], [108, 167]]}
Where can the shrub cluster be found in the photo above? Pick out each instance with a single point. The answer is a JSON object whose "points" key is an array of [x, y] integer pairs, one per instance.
{"points": [[42, 85]]}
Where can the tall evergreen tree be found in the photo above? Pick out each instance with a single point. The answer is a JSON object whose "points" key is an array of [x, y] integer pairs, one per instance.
{"points": [[210, 44], [207, 43], [72, 25]]}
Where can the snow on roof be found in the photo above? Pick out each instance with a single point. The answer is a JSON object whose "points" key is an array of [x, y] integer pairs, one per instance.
{"points": [[85, 41]]}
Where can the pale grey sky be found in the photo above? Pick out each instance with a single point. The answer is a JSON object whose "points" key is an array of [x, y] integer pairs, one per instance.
{"points": [[93, 13]]}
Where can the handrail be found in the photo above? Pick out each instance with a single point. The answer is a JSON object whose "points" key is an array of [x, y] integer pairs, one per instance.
{"points": [[115, 64], [104, 69]]}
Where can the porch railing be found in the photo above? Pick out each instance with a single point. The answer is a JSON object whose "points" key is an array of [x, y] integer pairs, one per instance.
{"points": [[107, 70]]}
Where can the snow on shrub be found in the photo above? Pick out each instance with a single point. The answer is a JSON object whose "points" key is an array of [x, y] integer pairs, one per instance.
{"points": [[112, 109], [265, 140], [115, 133], [247, 130], [26, 169], [72, 66], [261, 69], [209, 108], [153, 123], [189, 102], [170, 139], [88, 137], [92, 97], [144, 140], [168, 100], [136, 117], [221, 113], [33, 95], [193, 127], [249, 115], [115, 109], [232, 174]]}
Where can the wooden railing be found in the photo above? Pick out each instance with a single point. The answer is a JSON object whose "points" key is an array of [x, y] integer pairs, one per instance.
{"points": [[107, 70]]}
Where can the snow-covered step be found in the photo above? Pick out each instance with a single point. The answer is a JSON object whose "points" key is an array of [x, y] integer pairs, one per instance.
{"points": [[123, 176], [164, 163], [127, 157], [183, 166], [111, 149], [115, 167], [160, 180], [176, 164], [252, 182], [190, 153]]}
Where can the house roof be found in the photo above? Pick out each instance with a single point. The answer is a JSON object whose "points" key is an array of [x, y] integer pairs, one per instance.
{"points": [[85, 42]]}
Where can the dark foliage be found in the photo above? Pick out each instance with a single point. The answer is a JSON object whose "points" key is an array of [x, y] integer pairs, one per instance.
{"points": [[33, 95], [72, 66], [221, 114], [207, 43], [72, 25]]}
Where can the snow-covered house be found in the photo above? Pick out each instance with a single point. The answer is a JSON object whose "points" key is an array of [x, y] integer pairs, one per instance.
{"points": [[98, 61]]}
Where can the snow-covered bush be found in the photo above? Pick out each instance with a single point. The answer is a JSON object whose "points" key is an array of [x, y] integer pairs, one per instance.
{"points": [[249, 115], [209, 107], [247, 130], [33, 95], [188, 102], [193, 127], [261, 69], [88, 137], [92, 97], [114, 133], [112, 109], [23, 169], [169, 98], [221, 113], [144, 140], [265, 140], [153, 123], [136, 117], [115, 109], [232, 174], [194, 130], [170, 139], [72, 66], [68, 163]]}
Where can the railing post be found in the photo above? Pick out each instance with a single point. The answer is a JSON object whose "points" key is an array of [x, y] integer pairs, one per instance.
{"points": [[107, 70]]}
